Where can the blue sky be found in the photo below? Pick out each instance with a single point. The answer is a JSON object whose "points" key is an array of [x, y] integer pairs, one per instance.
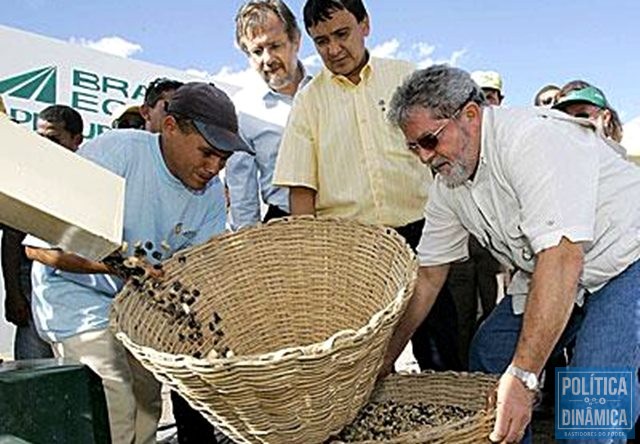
{"points": [[530, 43]]}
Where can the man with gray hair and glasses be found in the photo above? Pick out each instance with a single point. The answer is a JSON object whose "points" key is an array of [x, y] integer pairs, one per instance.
{"points": [[548, 197]]}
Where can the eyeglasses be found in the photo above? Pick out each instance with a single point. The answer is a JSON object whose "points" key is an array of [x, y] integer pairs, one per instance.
{"points": [[429, 141], [548, 101]]}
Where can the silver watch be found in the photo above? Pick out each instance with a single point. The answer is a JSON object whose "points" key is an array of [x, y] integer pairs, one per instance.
{"points": [[529, 379]]}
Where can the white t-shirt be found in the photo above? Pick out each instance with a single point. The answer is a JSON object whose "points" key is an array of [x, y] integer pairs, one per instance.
{"points": [[542, 175]]}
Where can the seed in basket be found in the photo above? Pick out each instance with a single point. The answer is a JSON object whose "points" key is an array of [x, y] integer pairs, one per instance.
{"points": [[212, 355], [196, 293], [157, 266], [216, 318], [177, 286], [197, 355], [229, 353], [212, 326], [181, 337], [182, 260], [185, 308], [220, 333], [131, 262]]}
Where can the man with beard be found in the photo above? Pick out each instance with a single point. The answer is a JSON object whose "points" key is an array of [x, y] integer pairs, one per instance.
{"points": [[548, 196], [267, 33]]}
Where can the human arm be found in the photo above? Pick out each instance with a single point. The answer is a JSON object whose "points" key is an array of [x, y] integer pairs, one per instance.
{"points": [[16, 306], [68, 262], [428, 285], [549, 305], [242, 180], [302, 200]]}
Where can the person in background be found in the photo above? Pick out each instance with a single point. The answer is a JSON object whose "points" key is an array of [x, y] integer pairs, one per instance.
{"points": [[156, 97], [339, 156], [62, 125], [581, 99], [267, 33], [173, 200], [565, 215], [491, 84], [128, 117], [546, 96]]}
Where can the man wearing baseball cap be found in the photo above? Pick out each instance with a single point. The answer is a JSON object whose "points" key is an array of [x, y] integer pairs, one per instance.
{"points": [[491, 84], [581, 99], [173, 199]]}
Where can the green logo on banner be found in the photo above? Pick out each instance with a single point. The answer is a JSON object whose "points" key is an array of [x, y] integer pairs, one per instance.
{"points": [[39, 85]]}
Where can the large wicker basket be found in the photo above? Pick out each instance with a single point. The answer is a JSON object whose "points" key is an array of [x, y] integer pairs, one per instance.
{"points": [[307, 307], [470, 391]]}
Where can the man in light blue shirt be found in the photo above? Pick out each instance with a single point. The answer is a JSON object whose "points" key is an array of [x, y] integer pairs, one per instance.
{"points": [[173, 200], [267, 33]]}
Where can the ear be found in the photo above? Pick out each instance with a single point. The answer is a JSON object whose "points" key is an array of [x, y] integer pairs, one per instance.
{"points": [[145, 111], [169, 124], [606, 117], [297, 40], [472, 115], [77, 140], [366, 26]]}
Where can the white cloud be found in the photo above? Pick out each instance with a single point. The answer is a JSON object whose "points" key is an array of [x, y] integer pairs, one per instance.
{"points": [[246, 79], [388, 49], [312, 61], [111, 45], [423, 54], [198, 73]]}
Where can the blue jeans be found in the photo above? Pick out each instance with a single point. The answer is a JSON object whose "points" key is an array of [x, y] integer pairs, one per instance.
{"points": [[28, 345], [607, 334]]}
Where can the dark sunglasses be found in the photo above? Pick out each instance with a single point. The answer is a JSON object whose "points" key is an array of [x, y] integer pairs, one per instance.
{"points": [[429, 141]]}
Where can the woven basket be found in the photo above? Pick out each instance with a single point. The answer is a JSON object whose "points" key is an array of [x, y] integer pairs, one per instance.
{"points": [[306, 305], [467, 390]]}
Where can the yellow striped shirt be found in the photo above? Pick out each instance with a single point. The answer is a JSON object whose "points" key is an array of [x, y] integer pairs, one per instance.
{"points": [[339, 143]]}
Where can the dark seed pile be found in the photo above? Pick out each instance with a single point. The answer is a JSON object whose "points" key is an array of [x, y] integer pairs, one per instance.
{"points": [[386, 420], [177, 302]]}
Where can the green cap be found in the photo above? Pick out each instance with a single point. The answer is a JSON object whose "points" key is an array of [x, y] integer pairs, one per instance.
{"points": [[590, 94]]}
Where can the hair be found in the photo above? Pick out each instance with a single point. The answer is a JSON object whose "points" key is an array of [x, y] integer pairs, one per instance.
{"points": [[254, 13], [441, 89], [185, 124], [65, 116], [157, 88], [613, 128], [544, 89], [316, 11]]}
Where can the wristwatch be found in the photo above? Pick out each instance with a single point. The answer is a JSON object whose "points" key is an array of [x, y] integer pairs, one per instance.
{"points": [[529, 379]]}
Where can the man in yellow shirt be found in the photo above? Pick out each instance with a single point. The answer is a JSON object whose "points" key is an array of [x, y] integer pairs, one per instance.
{"points": [[340, 157]]}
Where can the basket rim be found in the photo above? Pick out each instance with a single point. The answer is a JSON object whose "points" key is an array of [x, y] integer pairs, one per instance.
{"points": [[338, 341]]}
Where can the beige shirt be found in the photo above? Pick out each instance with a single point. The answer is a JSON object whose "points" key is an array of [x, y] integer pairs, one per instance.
{"points": [[542, 175], [339, 143]]}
